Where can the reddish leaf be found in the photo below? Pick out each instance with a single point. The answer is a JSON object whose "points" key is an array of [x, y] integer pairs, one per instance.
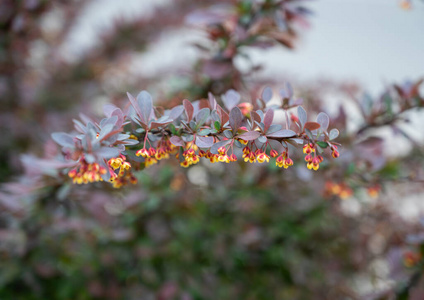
{"points": [[269, 116], [155, 125], [204, 104], [312, 125], [235, 118], [223, 114], [189, 109], [212, 101], [255, 117]]}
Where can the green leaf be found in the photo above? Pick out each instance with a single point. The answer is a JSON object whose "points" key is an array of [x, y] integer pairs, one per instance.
{"points": [[322, 144], [217, 125], [172, 129]]}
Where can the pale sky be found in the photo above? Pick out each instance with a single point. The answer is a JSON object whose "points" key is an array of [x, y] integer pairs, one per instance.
{"points": [[374, 42]]}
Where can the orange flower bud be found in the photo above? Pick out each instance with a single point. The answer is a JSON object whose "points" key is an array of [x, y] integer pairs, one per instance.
{"points": [[273, 153]]}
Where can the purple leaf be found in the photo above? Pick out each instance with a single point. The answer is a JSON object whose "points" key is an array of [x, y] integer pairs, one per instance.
{"points": [[109, 135], [323, 120], [118, 113], [136, 108], [107, 152], [63, 139], [231, 98], [79, 126], [301, 113], [129, 142], [189, 109], [235, 118], [269, 116], [283, 94], [107, 121], [223, 114], [204, 141], [262, 139], [155, 125], [284, 133], [215, 116], [108, 109], [106, 129], [249, 136], [176, 112], [267, 94], [145, 103], [255, 117], [333, 133], [202, 116], [212, 101], [273, 128], [177, 141]]}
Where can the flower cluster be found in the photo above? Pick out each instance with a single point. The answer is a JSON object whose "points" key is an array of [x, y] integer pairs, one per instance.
{"points": [[223, 156], [252, 156], [123, 176], [149, 155], [86, 172], [313, 160], [152, 155], [190, 156], [283, 160]]}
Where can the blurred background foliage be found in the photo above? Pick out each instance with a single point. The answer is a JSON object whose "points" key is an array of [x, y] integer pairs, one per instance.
{"points": [[233, 231]]}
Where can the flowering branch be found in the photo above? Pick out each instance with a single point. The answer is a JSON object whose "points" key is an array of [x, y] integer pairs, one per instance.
{"points": [[103, 151]]}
